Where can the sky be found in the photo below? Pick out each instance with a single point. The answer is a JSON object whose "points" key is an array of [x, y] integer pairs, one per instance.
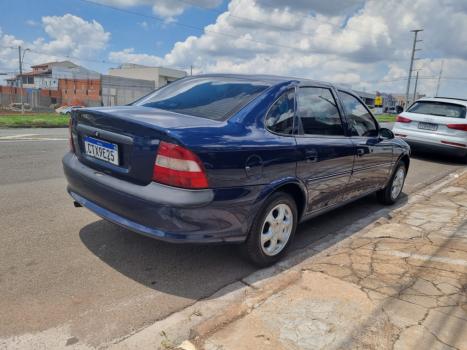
{"points": [[364, 44]]}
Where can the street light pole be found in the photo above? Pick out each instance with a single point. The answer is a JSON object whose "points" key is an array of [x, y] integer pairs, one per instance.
{"points": [[20, 78], [21, 59]]}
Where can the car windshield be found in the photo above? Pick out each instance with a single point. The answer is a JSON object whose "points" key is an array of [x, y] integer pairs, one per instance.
{"points": [[440, 109], [214, 98]]}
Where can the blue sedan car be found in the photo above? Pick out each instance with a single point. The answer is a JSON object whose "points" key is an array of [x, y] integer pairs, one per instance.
{"points": [[231, 158]]}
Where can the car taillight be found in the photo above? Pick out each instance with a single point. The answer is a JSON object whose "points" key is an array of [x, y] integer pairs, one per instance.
{"points": [[70, 136], [462, 127], [179, 167], [401, 119]]}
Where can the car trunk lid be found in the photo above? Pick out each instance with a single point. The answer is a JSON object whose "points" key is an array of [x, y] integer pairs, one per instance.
{"points": [[134, 133]]}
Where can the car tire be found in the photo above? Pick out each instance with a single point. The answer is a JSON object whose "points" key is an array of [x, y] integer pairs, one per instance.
{"points": [[393, 189], [272, 230]]}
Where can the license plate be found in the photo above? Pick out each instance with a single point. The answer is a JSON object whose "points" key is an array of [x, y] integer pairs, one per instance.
{"points": [[428, 126], [102, 150]]}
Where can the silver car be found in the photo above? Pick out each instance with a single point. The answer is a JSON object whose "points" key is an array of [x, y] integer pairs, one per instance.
{"points": [[436, 123]]}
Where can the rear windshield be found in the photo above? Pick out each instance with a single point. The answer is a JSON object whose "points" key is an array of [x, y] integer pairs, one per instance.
{"points": [[440, 109], [206, 97]]}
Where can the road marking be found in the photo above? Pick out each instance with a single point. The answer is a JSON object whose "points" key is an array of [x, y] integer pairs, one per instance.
{"points": [[12, 137], [33, 140], [440, 259], [29, 137]]}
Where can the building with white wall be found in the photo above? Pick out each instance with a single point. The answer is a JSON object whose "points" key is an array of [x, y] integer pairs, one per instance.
{"points": [[160, 75]]}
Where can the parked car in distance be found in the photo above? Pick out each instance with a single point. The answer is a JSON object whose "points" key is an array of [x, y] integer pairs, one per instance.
{"points": [[16, 107], [231, 158], [64, 110], [437, 123]]}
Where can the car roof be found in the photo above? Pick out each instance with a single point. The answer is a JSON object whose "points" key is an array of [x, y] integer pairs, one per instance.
{"points": [[266, 78], [445, 99]]}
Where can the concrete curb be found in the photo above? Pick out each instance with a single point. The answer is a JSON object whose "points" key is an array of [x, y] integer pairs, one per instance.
{"points": [[262, 289], [239, 298]]}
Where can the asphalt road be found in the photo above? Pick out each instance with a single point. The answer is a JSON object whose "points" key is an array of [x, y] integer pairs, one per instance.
{"points": [[82, 280]]}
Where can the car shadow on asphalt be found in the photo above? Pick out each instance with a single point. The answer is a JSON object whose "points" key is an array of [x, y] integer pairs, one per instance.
{"points": [[435, 157], [199, 271]]}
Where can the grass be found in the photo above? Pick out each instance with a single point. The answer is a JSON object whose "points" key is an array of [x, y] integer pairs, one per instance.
{"points": [[386, 118], [53, 120], [40, 120]]}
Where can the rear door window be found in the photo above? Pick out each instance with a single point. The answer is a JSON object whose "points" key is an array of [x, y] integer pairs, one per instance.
{"points": [[318, 113], [214, 98], [440, 109]]}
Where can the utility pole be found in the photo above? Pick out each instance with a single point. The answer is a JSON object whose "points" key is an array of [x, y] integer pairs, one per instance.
{"points": [[20, 78], [415, 89], [439, 78], [414, 48], [191, 69]]}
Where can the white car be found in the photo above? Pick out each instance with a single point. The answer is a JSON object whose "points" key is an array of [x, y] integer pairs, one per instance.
{"points": [[436, 122], [16, 107], [66, 109]]}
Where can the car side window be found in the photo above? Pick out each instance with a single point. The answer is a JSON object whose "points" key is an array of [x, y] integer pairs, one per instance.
{"points": [[280, 117], [360, 120], [318, 113]]}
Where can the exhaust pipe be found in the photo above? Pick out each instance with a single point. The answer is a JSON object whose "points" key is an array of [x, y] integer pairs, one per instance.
{"points": [[76, 204]]}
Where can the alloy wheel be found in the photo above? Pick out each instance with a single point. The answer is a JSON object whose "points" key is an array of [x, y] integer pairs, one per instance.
{"points": [[276, 229], [398, 182]]}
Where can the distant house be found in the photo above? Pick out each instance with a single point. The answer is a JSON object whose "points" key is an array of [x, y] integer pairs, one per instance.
{"points": [[61, 82], [40, 71], [400, 99], [66, 83]]}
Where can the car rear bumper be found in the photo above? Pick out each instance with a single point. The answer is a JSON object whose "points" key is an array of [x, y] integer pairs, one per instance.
{"points": [[163, 212], [438, 142]]}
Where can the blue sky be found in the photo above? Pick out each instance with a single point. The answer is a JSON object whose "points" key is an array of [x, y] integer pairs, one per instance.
{"points": [[22, 18], [361, 43]]}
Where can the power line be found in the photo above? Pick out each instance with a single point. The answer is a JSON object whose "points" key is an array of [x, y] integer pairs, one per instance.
{"points": [[103, 61], [181, 24], [205, 30], [298, 14], [271, 25]]}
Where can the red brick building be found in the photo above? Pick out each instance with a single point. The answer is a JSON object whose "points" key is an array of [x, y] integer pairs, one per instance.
{"points": [[55, 83]]}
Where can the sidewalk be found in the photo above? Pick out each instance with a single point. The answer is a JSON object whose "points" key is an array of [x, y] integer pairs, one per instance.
{"points": [[399, 284]]}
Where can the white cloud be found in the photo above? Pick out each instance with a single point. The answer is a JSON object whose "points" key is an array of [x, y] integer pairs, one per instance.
{"points": [[68, 36], [73, 35], [9, 52], [363, 43], [32, 23]]}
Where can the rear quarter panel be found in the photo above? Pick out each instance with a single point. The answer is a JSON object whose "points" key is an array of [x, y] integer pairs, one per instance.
{"points": [[240, 152]]}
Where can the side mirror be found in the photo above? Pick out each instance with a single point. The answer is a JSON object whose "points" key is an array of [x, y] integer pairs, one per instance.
{"points": [[386, 133]]}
